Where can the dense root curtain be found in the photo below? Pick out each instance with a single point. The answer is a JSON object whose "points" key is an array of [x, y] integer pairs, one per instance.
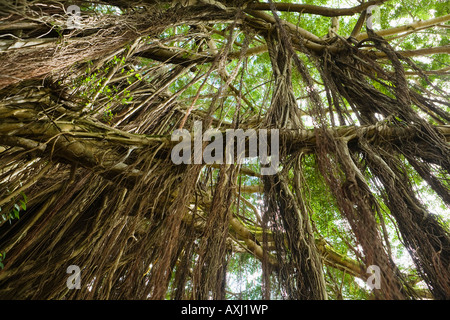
{"points": [[87, 179]]}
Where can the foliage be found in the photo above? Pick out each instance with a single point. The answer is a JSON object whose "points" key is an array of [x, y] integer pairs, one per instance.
{"points": [[17, 206]]}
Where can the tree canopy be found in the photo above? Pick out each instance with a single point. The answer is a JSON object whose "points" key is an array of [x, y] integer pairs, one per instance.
{"points": [[92, 91]]}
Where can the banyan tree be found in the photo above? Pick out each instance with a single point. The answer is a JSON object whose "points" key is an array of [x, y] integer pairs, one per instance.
{"points": [[357, 207]]}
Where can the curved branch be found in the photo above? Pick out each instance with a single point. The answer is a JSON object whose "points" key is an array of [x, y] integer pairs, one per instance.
{"points": [[313, 9], [418, 52], [408, 27]]}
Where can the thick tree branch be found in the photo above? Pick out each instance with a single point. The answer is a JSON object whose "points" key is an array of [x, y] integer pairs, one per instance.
{"points": [[418, 52], [84, 144], [313, 9], [407, 28]]}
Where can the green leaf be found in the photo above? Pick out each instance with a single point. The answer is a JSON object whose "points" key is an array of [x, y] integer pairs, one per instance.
{"points": [[16, 213]]}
